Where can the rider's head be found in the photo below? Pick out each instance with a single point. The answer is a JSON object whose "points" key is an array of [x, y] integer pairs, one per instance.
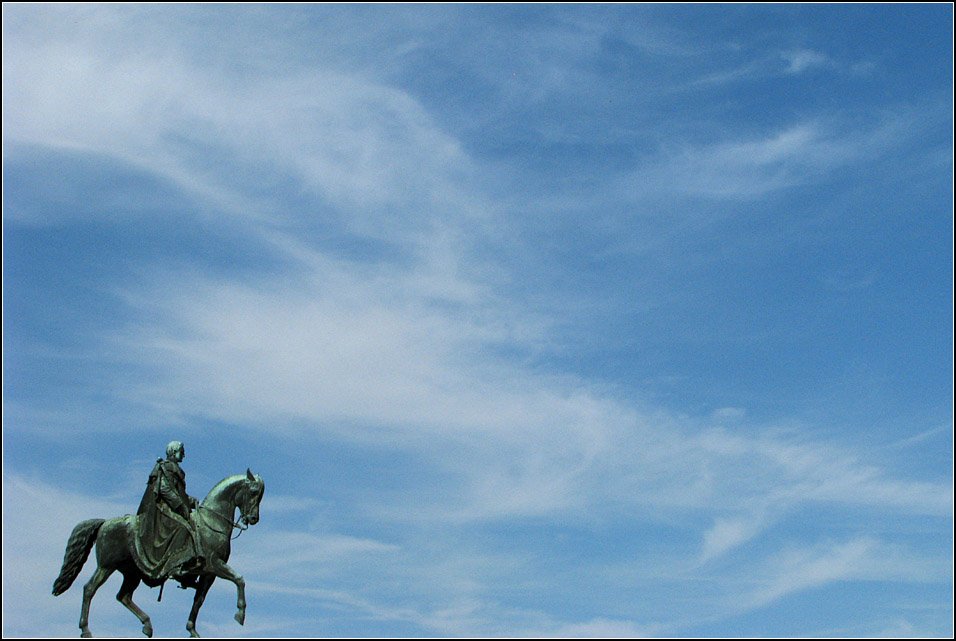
{"points": [[175, 448]]}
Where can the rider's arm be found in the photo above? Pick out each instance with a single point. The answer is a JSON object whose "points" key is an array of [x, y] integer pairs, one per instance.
{"points": [[171, 496]]}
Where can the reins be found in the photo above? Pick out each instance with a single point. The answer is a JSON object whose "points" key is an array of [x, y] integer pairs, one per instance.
{"points": [[235, 524]]}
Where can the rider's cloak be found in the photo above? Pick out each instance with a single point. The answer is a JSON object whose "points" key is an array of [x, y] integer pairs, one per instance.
{"points": [[165, 543]]}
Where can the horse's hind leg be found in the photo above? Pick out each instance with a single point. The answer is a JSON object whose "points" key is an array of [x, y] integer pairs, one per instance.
{"points": [[205, 582], [98, 579], [125, 596]]}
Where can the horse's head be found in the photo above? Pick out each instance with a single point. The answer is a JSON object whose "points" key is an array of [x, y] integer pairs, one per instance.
{"points": [[249, 497]]}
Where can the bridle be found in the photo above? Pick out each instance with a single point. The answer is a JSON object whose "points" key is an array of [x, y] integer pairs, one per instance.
{"points": [[242, 524], [236, 525]]}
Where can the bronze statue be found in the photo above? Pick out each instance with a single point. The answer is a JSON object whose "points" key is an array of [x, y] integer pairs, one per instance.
{"points": [[192, 548]]}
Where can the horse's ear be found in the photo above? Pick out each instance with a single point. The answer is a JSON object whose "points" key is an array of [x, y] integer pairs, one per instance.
{"points": [[249, 475]]}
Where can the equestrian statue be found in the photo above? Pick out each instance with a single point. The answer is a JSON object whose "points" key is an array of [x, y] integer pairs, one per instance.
{"points": [[171, 536]]}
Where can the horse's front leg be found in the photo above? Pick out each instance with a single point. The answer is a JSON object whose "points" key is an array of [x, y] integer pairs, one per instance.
{"points": [[223, 571]]}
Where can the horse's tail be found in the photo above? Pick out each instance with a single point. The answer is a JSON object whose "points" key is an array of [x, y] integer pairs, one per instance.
{"points": [[77, 551]]}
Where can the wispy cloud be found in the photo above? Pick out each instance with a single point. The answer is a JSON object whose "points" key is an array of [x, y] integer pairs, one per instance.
{"points": [[303, 554], [375, 361], [861, 559], [356, 143], [748, 169], [762, 66], [728, 533], [598, 629], [471, 617], [801, 60], [811, 568], [923, 436]]}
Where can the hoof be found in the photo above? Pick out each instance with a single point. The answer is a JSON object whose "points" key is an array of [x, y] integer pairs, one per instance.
{"points": [[193, 634], [241, 617], [148, 630], [86, 635]]}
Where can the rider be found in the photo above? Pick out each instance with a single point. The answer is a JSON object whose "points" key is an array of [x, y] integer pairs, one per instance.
{"points": [[167, 543]]}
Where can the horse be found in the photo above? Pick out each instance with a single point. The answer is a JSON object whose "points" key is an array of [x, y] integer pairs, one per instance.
{"points": [[113, 538]]}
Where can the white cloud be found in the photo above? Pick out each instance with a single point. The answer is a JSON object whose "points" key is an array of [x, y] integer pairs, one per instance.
{"points": [[747, 168], [801, 60], [767, 65], [859, 559], [367, 358], [728, 533], [903, 628], [599, 628], [366, 147], [305, 555], [813, 568], [923, 436], [464, 617]]}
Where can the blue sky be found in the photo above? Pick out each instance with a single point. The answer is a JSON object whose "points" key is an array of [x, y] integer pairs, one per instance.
{"points": [[561, 320]]}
